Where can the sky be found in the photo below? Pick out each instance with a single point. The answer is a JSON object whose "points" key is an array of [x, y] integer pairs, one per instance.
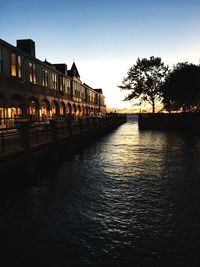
{"points": [[105, 38]]}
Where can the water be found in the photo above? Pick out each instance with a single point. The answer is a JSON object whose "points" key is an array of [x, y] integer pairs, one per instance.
{"points": [[130, 199]]}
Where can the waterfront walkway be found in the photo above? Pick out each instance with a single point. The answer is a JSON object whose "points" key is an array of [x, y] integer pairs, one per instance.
{"points": [[52, 136]]}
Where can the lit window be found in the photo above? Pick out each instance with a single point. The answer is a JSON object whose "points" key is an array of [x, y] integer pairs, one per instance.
{"points": [[61, 83], [13, 65], [54, 81], [34, 74], [30, 72], [44, 78], [55, 86], [52, 78], [19, 63]]}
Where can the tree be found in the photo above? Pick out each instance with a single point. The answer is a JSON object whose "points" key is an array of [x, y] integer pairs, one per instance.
{"points": [[181, 89], [144, 80]]}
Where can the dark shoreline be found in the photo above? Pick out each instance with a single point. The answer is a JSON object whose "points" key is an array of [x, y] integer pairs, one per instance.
{"points": [[185, 122]]}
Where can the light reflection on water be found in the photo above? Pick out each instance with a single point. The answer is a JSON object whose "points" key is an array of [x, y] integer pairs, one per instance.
{"points": [[130, 199]]}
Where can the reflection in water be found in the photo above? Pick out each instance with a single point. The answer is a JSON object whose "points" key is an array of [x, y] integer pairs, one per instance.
{"points": [[130, 199]]}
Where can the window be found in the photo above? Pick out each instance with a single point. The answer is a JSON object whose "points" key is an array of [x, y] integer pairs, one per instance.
{"points": [[44, 78], [77, 93], [13, 65], [82, 94], [34, 74], [19, 64], [30, 72], [54, 81], [67, 86], [1, 61], [61, 83], [64, 83]]}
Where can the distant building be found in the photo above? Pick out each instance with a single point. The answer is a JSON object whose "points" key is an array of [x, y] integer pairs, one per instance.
{"points": [[39, 90]]}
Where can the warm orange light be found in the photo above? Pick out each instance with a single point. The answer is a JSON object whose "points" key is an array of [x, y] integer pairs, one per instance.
{"points": [[13, 65]]}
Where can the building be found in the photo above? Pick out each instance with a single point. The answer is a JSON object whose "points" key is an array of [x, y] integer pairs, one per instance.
{"points": [[38, 90]]}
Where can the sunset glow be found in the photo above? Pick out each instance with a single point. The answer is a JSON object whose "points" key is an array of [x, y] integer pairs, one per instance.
{"points": [[106, 38]]}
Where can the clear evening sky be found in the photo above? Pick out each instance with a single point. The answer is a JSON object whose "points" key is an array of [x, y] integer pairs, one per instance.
{"points": [[105, 37]]}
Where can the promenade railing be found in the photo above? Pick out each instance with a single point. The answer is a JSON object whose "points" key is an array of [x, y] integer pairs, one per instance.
{"points": [[26, 133]]}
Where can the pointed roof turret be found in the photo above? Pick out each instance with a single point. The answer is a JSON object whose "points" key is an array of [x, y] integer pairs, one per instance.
{"points": [[74, 71]]}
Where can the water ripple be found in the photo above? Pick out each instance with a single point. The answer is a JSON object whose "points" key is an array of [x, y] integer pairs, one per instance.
{"points": [[130, 199]]}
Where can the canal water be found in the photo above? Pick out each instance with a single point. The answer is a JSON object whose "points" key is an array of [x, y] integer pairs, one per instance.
{"points": [[130, 199]]}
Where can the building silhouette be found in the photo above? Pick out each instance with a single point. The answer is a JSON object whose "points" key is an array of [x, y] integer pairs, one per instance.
{"points": [[38, 90]]}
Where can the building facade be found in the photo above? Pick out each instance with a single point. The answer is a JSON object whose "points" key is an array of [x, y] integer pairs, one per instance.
{"points": [[38, 90]]}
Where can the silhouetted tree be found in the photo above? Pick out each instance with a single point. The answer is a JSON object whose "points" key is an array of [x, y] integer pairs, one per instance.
{"points": [[144, 80], [182, 88]]}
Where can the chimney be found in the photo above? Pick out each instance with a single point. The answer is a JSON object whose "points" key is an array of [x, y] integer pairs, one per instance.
{"points": [[27, 46]]}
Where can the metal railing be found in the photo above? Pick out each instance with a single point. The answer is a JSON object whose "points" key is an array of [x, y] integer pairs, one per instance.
{"points": [[12, 139]]}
